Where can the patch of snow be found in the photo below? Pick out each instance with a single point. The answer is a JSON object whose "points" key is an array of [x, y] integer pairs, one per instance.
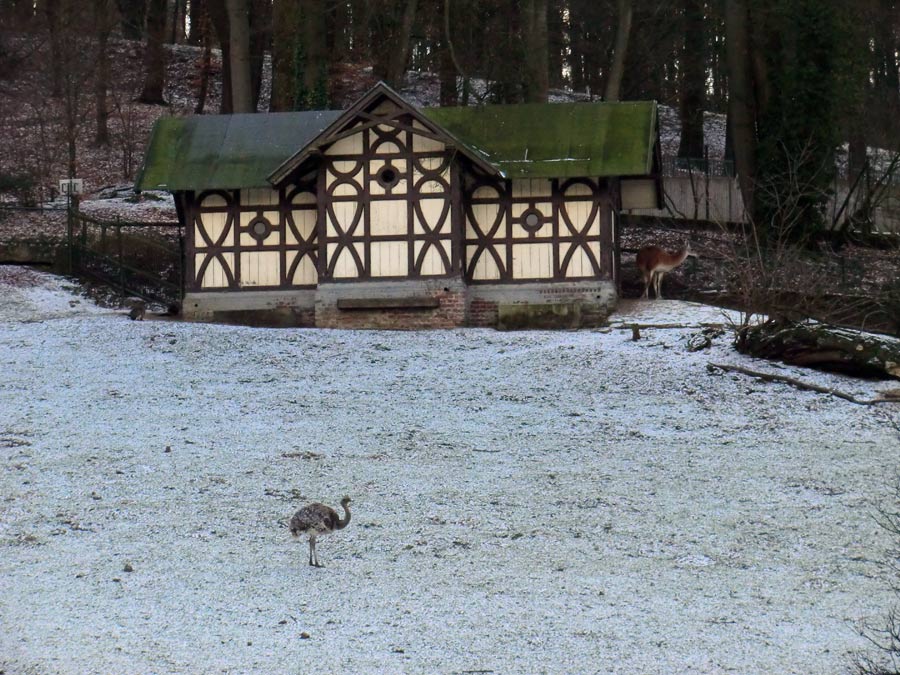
{"points": [[522, 502]]}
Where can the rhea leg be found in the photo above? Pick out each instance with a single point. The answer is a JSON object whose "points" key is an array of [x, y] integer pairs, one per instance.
{"points": [[313, 554]]}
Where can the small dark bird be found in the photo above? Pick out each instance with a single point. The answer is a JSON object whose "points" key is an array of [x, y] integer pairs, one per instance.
{"points": [[317, 520]]}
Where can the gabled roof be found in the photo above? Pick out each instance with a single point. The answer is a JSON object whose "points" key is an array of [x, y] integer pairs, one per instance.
{"points": [[559, 140], [375, 95], [537, 140], [205, 152]]}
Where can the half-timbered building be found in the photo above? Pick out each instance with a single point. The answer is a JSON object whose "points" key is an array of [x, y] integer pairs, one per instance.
{"points": [[389, 215]]}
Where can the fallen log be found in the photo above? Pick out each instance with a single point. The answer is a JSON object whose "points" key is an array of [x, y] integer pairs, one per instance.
{"points": [[822, 346], [799, 384]]}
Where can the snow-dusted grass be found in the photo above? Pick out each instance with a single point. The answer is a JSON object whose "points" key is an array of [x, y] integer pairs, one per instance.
{"points": [[559, 502]]}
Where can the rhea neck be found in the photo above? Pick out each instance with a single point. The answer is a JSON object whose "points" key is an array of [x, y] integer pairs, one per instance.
{"points": [[343, 522]]}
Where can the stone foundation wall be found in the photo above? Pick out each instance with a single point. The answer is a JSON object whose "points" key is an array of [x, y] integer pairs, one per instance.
{"points": [[413, 305], [252, 308], [583, 304]]}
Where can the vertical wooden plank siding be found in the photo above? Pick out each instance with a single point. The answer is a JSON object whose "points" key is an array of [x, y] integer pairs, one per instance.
{"points": [[227, 251], [386, 200], [571, 239]]}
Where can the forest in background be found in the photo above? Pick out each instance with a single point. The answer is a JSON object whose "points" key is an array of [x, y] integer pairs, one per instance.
{"points": [[797, 78]]}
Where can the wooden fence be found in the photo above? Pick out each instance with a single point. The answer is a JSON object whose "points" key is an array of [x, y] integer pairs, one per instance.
{"points": [[144, 260], [696, 195]]}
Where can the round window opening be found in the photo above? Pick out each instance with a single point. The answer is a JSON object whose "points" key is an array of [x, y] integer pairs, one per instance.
{"points": [[260, 228], [532, 220], [388, 177]]}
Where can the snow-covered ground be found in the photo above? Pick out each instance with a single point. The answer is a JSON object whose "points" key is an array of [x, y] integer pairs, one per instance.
{"points": [[536, 502]]}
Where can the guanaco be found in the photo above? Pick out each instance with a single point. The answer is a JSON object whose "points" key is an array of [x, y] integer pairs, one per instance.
{"points": [[654, 262]]}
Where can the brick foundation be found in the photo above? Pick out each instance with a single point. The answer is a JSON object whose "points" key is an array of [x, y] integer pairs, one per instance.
{"points": [[449, 313]]}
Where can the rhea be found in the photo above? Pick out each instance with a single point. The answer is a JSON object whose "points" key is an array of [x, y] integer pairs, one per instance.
{"points": [[654, 262], [317, 520]]}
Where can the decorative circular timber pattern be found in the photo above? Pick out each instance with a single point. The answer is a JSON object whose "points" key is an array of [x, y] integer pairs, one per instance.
{"points": [[259, 228], [388, 176], [532, 220]]}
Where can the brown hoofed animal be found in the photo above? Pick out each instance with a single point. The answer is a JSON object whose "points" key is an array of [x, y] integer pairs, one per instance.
{"points": [[138, 309], [654, 262], [317, 520]]}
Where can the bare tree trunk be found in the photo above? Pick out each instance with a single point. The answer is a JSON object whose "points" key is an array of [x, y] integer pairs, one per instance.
{"points": [[285, 14], [260, 38], [203, 30], [218, 14], [102, 20], [620, 53], [197, 33], [52, 12], [155, 55], [394, 27], [132, 13], [693, 80], [741, 102], [537, 51], [239, 32]]}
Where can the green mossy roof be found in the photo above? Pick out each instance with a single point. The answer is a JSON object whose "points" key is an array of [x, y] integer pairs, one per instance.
{"points": [[205, 152], [558, 140]]}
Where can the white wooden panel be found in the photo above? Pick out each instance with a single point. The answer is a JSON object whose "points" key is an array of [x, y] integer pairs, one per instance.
{"points": [[345, 267], [486, 268], [485, 192], [213, 201], [578, 190], [344, 213], [306, 273], [213, 225], [351, 145], [425, 144], [532, 261], [387, 148], [260, 268], [431, 210], [214, 277], [579, 264], [304, 198], [305, 221], [432, 264], [638, 194], [388, 216], [385, 108], [578, 213], [345, 190], [259, 197], [348, 168], [485, 214], [531, 187], [594, 229], [432, 187], [432, 164], [389, 259], [519, 232]]}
